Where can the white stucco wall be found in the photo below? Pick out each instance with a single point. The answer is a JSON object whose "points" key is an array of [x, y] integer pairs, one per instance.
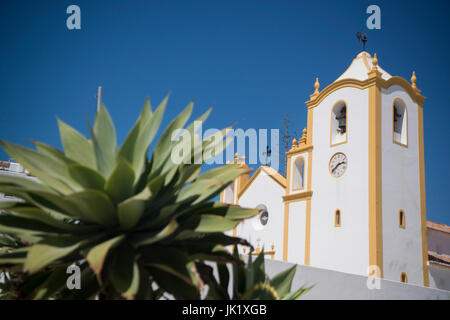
{"points": [[264, 190], [439, 275], [344, 248], [296, 232], [402, 247]]}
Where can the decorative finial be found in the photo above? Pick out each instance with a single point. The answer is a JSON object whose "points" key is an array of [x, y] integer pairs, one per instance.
{"points": [[316, 86], [228, 161], [413, 80], [273, 246], [294, 143], [374, 62], [236, 155], [305, 132]]}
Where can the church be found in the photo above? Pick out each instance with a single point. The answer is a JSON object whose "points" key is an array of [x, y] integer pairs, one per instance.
{"points": [[353, 199]]}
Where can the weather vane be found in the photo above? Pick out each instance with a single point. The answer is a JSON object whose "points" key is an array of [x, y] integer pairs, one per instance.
{"points": [[362, 37], [268, 153]]}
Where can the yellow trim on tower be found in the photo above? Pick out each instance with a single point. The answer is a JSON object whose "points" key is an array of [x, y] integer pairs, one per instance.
{"points": [[375, 200], [308, 183], [385, 84], [308, 232], [295, 197], [423, 207], [285, 231]]}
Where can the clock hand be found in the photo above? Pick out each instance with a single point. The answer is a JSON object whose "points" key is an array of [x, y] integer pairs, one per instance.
{"points": [[334, 169]]}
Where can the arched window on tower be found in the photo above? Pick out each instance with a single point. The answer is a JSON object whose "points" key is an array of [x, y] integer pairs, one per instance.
{"points": [[401, 219], [337, 218], [400, 122], [339, 128], [299, 174]]}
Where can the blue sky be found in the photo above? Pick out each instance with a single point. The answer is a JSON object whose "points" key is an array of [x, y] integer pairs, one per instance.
{"points": [[254, 60]]}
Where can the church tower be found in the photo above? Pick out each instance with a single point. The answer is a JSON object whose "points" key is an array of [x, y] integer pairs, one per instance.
{"points": [[367, 211], [353, 199]]}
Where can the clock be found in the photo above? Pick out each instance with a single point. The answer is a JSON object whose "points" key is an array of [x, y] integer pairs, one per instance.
{"points": [[338, 164]]}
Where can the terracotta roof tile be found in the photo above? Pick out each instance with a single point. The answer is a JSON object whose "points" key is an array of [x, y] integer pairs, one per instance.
{"points": [[438, 226], [438, 258]]}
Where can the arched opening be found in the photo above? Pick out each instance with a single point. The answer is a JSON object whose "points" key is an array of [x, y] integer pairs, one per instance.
{"points": [[401, 219], [339, 127], [337, 218], [400, 122], [299, 174]]}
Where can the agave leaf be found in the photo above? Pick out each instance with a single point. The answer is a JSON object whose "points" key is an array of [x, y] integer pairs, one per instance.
{"points": [[76, 146], [258, 272], [120, 184], [136, 145], [104, 138], [49, 250], [86, 177], [239, 284], [48, 170], [54, 283], [15, 256], [124, 272], [94, 206], [196, 151], [228, 211], [173, 282], [282, 281], [131, 210], [19, 225], [49, 151], [55, 204], [24, 183], [162, 151], [224, 275], [296, 294], [38, 214], [147, 238], [97, 255], [213, 223]]}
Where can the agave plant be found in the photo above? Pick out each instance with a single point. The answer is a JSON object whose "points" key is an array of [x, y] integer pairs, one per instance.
{"points": [[134, 225], [250, 281]]}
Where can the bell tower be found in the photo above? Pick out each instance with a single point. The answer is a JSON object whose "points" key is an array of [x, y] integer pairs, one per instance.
{"points": [[367, 182]]}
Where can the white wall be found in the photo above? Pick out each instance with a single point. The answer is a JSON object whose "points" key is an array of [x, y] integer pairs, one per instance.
{"points": [[344, 248], [264, 190], [339, 285], [439, 275], [402, 248], [296, 232]]}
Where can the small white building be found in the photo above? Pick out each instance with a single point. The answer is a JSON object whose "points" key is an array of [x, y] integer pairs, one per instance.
{"points": [[353, 199], [10, 168]]}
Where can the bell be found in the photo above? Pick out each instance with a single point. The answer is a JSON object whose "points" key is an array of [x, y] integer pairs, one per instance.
{"points": [[342, 121]]}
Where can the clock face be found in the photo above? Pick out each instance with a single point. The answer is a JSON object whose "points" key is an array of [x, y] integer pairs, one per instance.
{"points": [[338, 164]]}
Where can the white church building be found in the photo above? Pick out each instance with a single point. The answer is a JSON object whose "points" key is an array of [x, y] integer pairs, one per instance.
{"points": [[353, 199]]}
